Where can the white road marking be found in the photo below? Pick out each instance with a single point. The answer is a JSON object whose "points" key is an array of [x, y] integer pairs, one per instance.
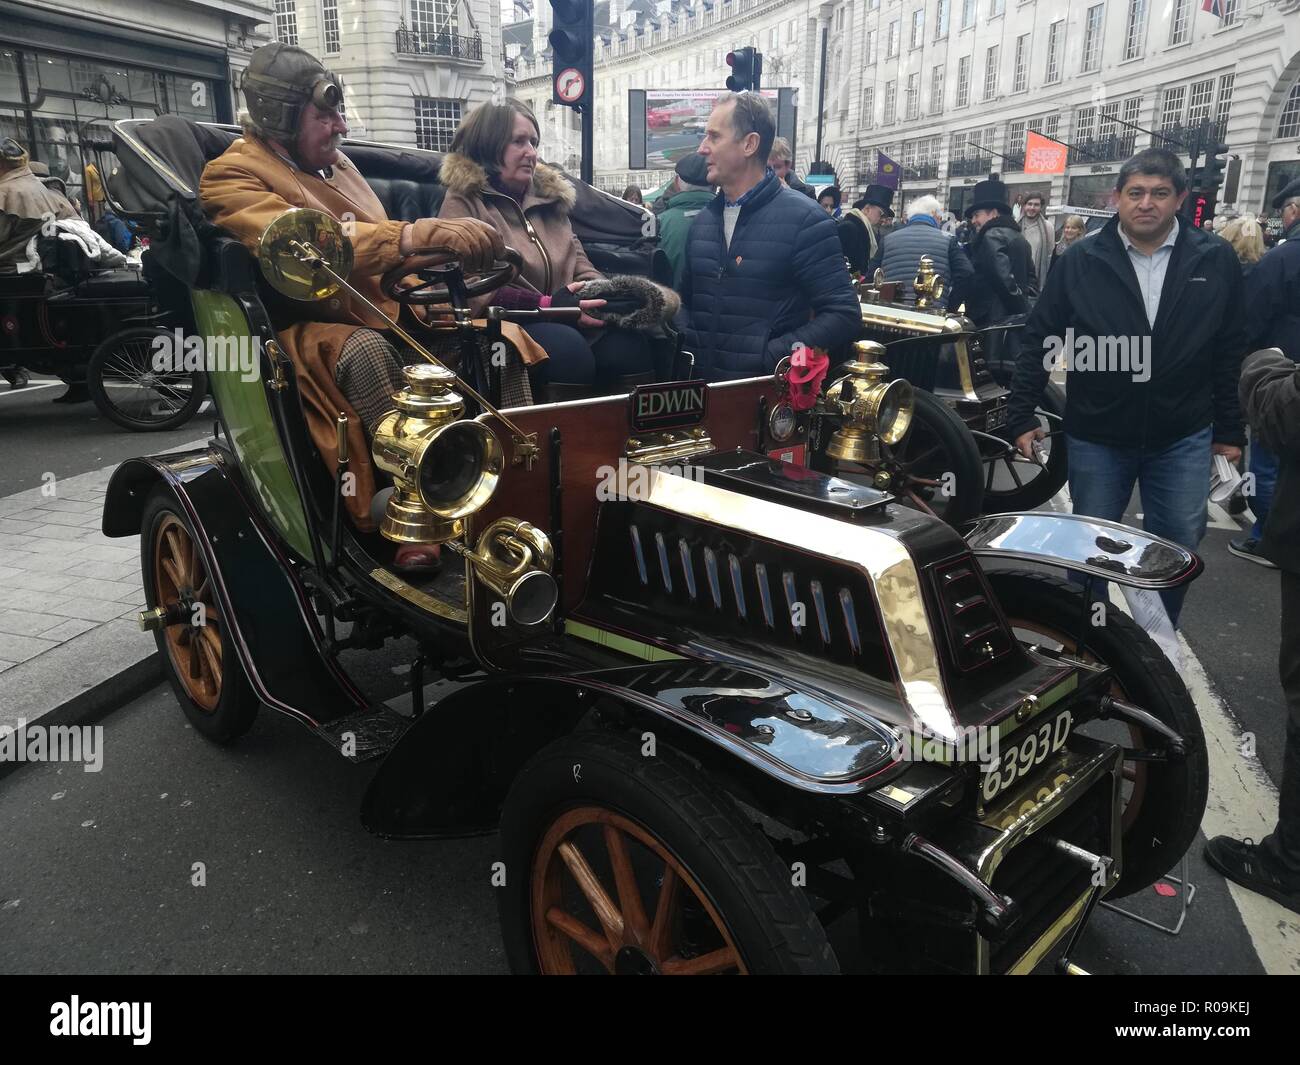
{"points": [[1243, 804], [29, 388]]}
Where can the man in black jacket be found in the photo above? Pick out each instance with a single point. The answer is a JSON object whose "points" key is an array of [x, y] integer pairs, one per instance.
{"points": [[1270, 394], [1004, 264], [859, 227], [1147, 319], [1273, 321], [764, 270]]}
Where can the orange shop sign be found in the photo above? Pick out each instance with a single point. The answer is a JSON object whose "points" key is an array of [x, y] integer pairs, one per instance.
{"points": [[1043, 156]]}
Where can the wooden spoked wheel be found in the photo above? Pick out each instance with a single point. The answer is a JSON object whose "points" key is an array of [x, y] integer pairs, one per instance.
{"points": [[184, 590], [606, 896]]}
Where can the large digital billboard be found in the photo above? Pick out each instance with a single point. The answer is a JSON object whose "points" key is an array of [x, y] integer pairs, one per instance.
{"points": [[666, 124]]}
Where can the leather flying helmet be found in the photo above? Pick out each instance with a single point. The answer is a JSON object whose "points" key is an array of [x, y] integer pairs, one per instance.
{"points": [[280, 81]]}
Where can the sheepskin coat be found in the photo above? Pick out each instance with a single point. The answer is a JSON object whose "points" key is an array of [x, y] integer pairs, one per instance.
{"points": [[538, 229]]}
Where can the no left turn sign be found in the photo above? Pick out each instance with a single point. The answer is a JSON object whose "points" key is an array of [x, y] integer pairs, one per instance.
{"points": [[570, 85]]}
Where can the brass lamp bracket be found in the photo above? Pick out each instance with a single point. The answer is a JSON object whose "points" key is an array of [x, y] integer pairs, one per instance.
{"points": [[668, 446]]}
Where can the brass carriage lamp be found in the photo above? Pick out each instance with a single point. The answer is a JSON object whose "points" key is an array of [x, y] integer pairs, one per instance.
{"points": [[873, 410], [443, 469], [929, 284]]}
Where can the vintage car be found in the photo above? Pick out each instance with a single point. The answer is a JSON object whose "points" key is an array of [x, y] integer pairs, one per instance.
{"points": [[712, 701], [954, 462], [95, 326]]}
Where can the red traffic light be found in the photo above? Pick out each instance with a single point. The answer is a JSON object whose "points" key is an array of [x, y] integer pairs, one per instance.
{"points": [[731, 59]]}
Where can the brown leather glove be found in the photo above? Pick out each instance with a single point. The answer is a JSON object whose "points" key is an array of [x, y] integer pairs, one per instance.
{"points": [[436, 240]]}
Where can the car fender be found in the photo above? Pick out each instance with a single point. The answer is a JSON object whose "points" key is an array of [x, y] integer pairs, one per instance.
{"points": [[450, 772], [268, 617], [1090, 546]]}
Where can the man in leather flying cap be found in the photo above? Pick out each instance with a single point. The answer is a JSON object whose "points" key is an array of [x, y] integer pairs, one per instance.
{"points": [[289, 157]]}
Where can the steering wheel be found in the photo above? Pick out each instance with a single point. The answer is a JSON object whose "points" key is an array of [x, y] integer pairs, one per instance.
{"points": [[445, 283]]}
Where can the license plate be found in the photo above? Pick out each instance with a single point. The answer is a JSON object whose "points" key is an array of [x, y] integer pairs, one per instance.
{"points": [[1033, 748], [997, 417]]}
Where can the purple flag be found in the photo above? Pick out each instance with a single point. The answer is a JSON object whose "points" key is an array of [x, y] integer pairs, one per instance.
{"points": [[887, 171]]}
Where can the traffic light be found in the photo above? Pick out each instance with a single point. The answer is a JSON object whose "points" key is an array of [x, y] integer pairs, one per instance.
{"points": [[572, 52], [746, 70], [1215, 163]]}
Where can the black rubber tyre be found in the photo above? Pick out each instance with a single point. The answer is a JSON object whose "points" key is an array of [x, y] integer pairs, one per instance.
{"points": [[937, 444], [1001, 494], [1170, 797], [214, 694], [735, 872], [166, 401]]}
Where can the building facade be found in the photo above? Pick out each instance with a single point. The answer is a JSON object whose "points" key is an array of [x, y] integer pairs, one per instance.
{"points": [[950, 88], [411, 68], [63, 65]]}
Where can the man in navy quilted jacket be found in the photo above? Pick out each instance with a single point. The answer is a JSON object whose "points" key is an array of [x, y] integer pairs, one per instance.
{"points": [[764, 269]]}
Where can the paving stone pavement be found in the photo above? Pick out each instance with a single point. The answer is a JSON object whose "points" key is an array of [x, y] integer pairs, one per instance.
{"points": [[60, 577]]}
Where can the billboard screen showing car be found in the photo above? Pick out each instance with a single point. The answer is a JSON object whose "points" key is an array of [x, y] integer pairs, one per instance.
{"points": [[674, 123]]}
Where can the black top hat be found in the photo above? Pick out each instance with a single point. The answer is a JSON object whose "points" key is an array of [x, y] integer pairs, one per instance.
{"points": [[878, 196], [988, 195], [1292, 190]]}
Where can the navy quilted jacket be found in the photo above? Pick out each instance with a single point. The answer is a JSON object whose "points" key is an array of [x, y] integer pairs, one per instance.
{"points": [[782, 280]]}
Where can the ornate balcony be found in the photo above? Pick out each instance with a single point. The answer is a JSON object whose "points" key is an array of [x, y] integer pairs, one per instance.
{"points": [[976, 166], [447, 45], [1113, 149], [921, 172]]}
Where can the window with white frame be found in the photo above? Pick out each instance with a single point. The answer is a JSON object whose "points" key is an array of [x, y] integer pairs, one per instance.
{"points": [[1106, 124], [1225, 100], [891, 102], [1092, 38], [1180, 22], [940, 19], [870, 57], [958, 147], [435, 123], [1171, 106], [1051, 126], [918, 27], [1199, 100], [839, 19], [891, 40], [1021, 80], [913, 107], [867, 120], [936, 90], [329, 10], [1016, 137], [1135, 30], [1083, 123], [967, 13], [772, 35], [1289, 124], [996, 7], [434, 16], [790, 28], [286, 21], [1055, 46], [963, 81], [1230, 10], [991, 57]]}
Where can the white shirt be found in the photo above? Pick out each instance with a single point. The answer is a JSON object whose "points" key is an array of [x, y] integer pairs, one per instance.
{"points": [[730, 215], [1150, 269]]}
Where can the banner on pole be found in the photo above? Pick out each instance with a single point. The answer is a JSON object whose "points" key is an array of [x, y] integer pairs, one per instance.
{"points": [[1043, 155]]}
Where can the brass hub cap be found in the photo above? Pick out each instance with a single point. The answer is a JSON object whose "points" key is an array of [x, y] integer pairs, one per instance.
{"points": [[656, 921], [184, 589]]}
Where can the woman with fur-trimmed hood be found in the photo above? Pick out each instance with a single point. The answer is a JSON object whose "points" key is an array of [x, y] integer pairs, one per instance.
{"points": [[493, 173]]}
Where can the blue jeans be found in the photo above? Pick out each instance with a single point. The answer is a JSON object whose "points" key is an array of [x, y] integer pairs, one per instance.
{"points": [[1263, 464], [1175, 486]]}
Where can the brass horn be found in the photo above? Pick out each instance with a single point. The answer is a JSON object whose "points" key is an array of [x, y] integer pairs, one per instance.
{"points": [[513, 559]]}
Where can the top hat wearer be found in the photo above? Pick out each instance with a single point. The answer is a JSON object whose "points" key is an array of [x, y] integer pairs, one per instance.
{"points": [[881, 196], [1290, 192], [989, 195]]}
